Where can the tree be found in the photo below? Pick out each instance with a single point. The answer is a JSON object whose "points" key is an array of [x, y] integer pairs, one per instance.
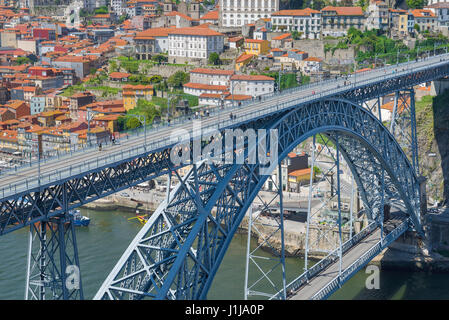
{"points": [[214, 59], [177, 79], [159, 58], [415, 4], [416, 27], [22, 60]]}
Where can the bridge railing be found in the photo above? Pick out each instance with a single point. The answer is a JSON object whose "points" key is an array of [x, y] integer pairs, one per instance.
{"points": [[328, 260], [338, 281], [181, 120], [220, 124]]}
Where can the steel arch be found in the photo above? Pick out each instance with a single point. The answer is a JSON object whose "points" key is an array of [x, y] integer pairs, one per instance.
{"points": [[179, 260]]}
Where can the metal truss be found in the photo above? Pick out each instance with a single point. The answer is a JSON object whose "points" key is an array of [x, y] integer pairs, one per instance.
{"points": [[53, 200], [261, 272], [53, 271], [187, 239], [405, 78], [403, 124]]}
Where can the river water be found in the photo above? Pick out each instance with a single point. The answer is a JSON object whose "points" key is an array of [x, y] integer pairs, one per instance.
{"points": [[102, 243]]}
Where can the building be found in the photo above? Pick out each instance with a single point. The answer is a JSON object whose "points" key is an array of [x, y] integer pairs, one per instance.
{"points": [[307, 22], [256, 47], [132, 93], [37, 104], [78, 100], [311, 65], [335, 21], [281, 41], [243, 60], [150, 42], [378, 15], [237, 13], [211, 76], [197, 89], [210, 17], [252, 85], [119, 76], [81, 65], [186, 44], [425, 19], [441, 11]]}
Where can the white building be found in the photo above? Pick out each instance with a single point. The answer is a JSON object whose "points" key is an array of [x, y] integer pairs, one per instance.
{"points": [[251, 85], [211, 76], [185, 44], [118, 6], [236, 13], [441, 10], [307, 22], [378, 15]]}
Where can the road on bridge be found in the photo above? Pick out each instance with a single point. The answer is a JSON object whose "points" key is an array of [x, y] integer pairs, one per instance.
{"points": [[307, 291], [51, 167]]}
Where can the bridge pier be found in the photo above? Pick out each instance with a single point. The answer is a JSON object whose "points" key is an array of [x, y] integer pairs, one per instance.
{"points": [[53, 265], [439, 86]]}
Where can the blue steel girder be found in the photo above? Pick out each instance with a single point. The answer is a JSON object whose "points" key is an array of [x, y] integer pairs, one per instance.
{"points": [[400, 82], [187, 267], [40, 204]]}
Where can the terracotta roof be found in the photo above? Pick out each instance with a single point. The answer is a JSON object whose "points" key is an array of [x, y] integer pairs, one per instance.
{"points": [[151, 33], [119, 75], [212, 71], [245, 77], [282, 36], [313, 59], [176, 13], [254, 41], [211, 15], [201, 86], [195, 31], [422, 13], [238, 97], [244, 57], [345, 11], [298, 12], [300, 172]]}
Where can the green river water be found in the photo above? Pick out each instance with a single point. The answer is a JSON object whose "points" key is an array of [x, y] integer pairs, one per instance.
{"points": [[102, 243]]}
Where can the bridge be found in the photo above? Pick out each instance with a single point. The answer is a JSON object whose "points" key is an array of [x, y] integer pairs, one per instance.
{"points": [[178, 251]]}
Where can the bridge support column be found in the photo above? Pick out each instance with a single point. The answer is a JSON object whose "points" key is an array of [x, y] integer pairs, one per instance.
{"points": [[403, 124], [268, 226], [53, 266]]}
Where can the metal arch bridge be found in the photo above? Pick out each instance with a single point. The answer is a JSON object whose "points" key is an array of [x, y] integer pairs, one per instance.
{"points": [[177, 253]]}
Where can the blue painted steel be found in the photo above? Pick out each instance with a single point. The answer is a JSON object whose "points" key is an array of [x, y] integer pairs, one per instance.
{"points": [[229, 189]]}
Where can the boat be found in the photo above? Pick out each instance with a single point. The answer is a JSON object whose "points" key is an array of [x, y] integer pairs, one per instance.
{"points": [[78, 219]]}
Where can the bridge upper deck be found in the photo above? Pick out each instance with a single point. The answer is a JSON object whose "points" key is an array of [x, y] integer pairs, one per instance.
{"points": [[20, 181]]}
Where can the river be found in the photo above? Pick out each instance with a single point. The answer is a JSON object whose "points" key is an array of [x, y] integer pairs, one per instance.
{"points": [[102, 243]]}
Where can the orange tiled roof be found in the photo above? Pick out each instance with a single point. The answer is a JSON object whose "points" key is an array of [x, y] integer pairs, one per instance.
{"points": [[205, 86], [245, 77], [282, 36], [298, 12], [345, 11], [211, 15], [212, 71]]}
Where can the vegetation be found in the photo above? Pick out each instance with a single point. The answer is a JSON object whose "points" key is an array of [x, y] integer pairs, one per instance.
{"points": [[415, 4], [101, 10], [22, 60], [177, 79], [288, 80], [214, 59]]}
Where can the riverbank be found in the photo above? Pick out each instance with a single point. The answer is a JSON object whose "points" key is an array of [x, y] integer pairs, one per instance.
{"points": [[406, 253]]}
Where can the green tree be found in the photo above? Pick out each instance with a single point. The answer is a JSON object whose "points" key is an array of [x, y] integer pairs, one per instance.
{"points": [[415, 4], [416, 27], [22, 60], [159, 58], [177, 79], [214, 59]]}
